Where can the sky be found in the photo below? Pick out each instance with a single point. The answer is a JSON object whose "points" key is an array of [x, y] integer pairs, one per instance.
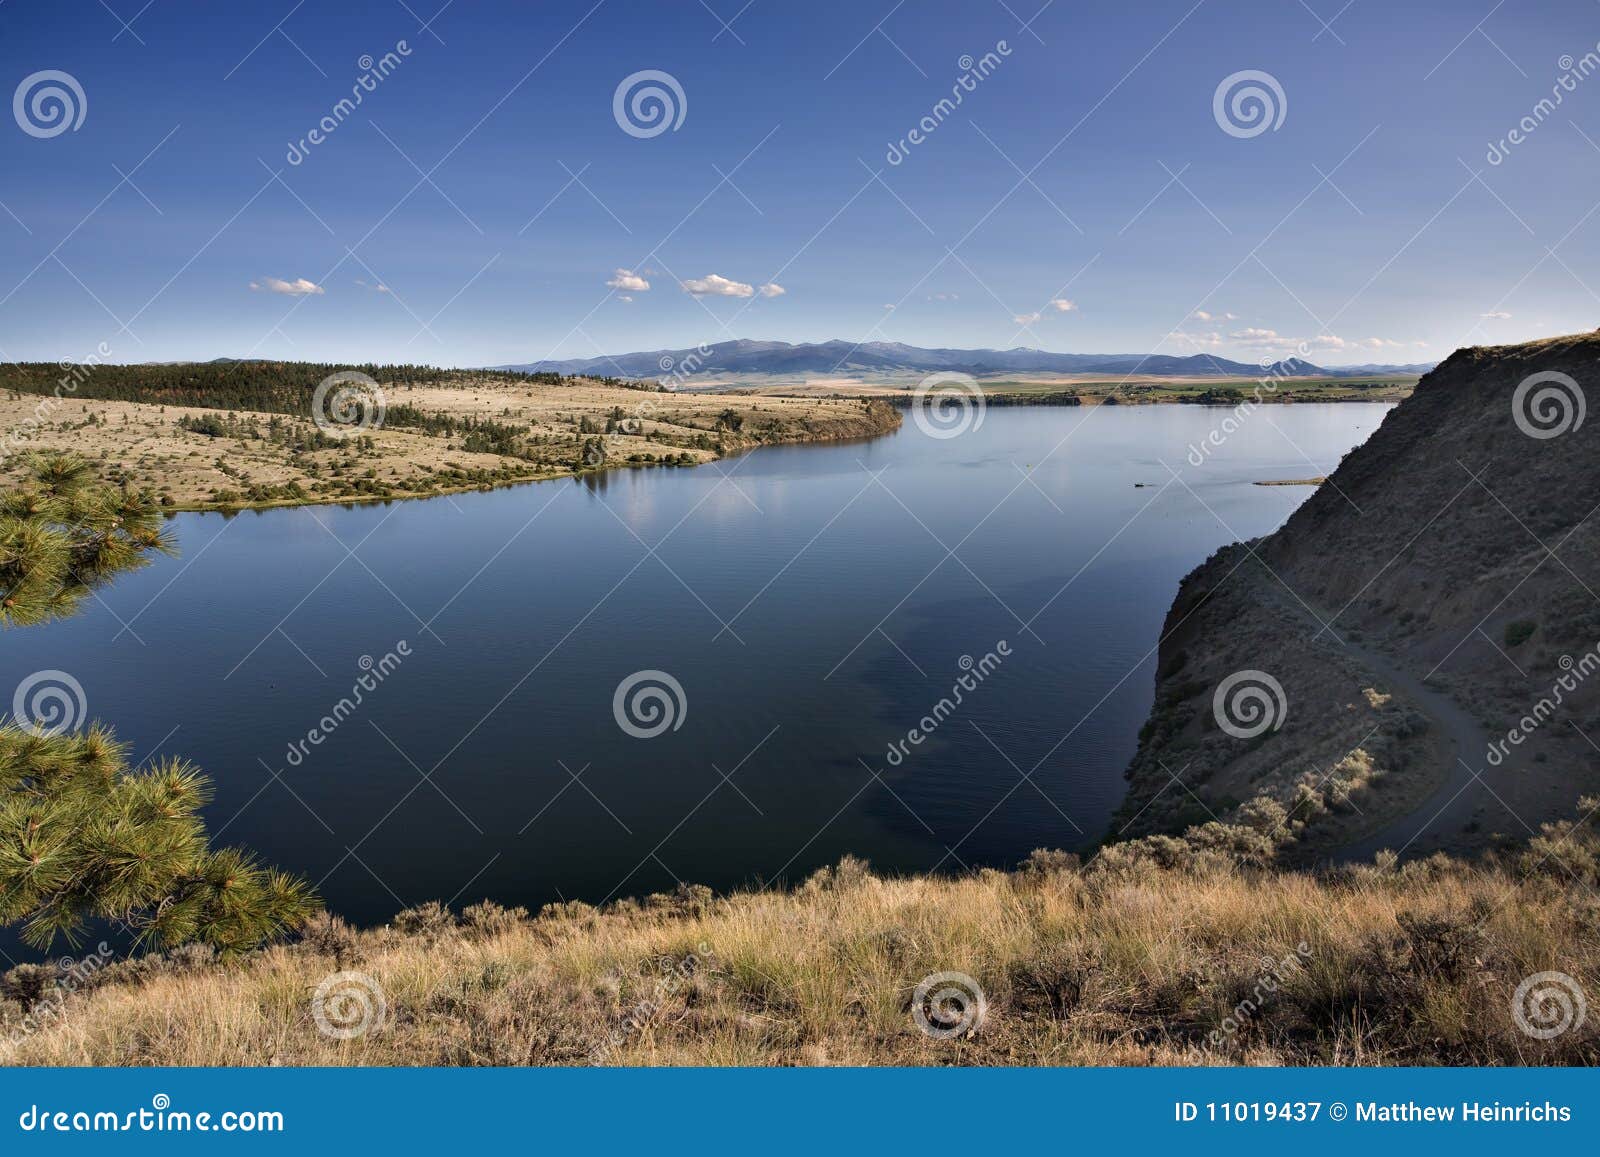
{"points": [[496, 196]]}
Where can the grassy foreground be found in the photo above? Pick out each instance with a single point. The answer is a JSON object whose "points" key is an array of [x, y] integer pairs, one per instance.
{"points": [[1160, 951]]}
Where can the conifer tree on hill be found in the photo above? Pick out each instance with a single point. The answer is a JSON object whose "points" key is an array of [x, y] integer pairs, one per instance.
{"points": [[83, 836]]}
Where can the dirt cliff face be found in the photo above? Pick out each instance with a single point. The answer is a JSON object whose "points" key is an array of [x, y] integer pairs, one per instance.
{"points": [[1413, 660]]}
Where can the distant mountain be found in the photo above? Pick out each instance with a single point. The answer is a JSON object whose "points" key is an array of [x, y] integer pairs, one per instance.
{"points": [[881, 357]]}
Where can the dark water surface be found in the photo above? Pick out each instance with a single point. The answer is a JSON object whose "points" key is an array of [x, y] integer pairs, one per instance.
{"points": [[805, 598]]}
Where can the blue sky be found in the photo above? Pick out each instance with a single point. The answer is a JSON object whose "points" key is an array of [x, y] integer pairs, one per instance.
{"points": [[1088, 167]]}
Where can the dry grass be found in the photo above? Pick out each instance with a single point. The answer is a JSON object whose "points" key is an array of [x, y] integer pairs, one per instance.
{"points": [[143, 444], [1126, 963]]}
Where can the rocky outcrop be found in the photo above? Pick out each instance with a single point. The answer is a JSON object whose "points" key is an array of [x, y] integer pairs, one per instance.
{"points": [[1431, 615]]}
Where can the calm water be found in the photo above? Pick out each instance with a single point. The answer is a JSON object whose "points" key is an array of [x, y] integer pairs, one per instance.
{"points": [[806, 601]]}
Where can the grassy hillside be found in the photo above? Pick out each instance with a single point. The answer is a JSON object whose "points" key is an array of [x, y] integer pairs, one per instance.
{"points": [[1161, 951]]}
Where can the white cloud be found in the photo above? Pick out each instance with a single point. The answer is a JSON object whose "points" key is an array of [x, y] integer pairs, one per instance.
{"points": [[889, 308], [299, 287], [1026, 318], [624, 297], [772, 289], [378, 287], [714, 285], [629, 280], [1061, 305], [1195, 341], [944, 297], [1202, 315], [1269, 339], [1495, 315]]}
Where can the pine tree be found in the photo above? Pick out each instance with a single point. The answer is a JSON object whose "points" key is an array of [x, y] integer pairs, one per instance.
{"points": [[62, 534], [82, 836]]}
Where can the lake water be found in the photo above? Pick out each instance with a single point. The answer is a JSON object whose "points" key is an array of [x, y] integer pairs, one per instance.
{"points": [[814, 604]]}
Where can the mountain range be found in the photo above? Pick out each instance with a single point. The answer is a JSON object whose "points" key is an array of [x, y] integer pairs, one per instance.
{"points": [[844, 358]]}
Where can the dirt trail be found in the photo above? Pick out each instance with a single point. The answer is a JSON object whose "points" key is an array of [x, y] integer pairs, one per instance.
{"points": [[1451, 805], [1464, 743]]}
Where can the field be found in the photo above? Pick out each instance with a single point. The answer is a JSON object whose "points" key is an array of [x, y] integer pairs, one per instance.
{"points": [[435, 438], [1133, 390]]}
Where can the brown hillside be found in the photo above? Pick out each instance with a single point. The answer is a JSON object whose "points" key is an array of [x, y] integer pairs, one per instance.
{"points": [[1433, 595]]}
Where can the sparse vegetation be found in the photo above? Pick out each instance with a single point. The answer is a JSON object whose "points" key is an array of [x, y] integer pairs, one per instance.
{"points": [[1168, 950]]}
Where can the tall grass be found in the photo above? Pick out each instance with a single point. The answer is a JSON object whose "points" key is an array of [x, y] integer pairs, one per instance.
{"points": [[1138, 959]]}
